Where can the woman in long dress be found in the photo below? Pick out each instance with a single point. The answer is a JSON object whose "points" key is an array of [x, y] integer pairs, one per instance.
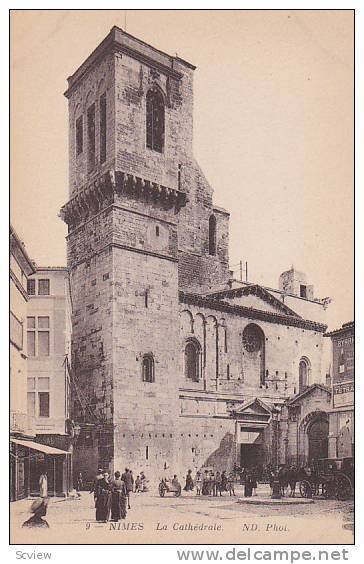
{"points": [[43, 485], [248, 490], [118, 498], [103, 499], [189, 482]]}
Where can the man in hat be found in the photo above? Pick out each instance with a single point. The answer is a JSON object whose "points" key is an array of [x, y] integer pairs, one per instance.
{"points": [[99, 476], [128, 479]]}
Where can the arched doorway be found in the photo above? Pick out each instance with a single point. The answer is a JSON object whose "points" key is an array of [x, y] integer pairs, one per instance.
{"points": [[318, 438]]}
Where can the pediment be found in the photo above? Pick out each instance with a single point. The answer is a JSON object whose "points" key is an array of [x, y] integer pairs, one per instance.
{"points": [[256, 297], [315, 390], [253, 415], [254, 407]]}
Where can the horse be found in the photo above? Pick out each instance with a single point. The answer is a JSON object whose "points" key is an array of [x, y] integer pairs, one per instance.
{"points": [[295, 475], [283, 479], [290, 476]]}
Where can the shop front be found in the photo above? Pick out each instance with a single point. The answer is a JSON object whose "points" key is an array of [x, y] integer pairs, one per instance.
{"points": [[341, 431], [29, 460]]}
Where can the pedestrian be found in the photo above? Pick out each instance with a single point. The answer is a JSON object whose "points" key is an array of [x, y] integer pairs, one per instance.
{"points": [[144, 481], [248, 485], [205, 483], [118, 498], [129, 484], [99, 476], [271, 480], [39, 510], [79, 482], [103, 498], [224, 481], [198, 482], [176, 485], [138, 484], [230, 483], [218, 483], [212, 486], [43, 484], [254, 482], [189, 482]]}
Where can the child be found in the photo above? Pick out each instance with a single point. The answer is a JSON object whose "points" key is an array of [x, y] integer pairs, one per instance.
{"points": [[198, 482], [138, 484]]}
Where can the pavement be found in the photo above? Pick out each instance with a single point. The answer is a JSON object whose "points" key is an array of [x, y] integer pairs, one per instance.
{"points": [[189, 519]]}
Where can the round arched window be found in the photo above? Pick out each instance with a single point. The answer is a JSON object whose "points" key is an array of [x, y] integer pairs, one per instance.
{"points": [[148, 368], [192, 361], [252, 338], [303, 373]]}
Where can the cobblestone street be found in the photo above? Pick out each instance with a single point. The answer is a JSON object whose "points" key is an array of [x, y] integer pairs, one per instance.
{"points": [[189, 519]]}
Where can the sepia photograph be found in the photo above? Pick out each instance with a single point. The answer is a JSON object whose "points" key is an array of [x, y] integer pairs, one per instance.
{"points": [[181, 277]]}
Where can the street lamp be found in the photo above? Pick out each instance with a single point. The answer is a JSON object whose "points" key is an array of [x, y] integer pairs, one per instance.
{"points": [[76, 431]]}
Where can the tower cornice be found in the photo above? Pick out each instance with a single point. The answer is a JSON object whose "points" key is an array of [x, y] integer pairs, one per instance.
{"points": [[118, 41], [101, 192]]}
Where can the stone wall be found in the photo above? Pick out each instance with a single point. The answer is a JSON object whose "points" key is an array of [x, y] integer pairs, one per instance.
{"points": [[129, 254], [221, 333], [97, 81]]}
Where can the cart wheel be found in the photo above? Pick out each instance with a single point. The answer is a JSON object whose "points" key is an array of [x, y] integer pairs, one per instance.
{"points": [[178, 492], [344, 488], [305, 489], [161, 489], [329, 489]]}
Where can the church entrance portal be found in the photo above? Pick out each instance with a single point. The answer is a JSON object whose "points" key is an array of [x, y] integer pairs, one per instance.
{"points": [[251, 455], [318, 434]]}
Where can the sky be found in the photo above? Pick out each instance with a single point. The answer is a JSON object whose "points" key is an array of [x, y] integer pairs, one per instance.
{"points": [[273, 130]]}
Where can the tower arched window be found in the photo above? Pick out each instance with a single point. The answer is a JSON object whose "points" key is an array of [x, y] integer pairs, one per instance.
{"points": [[212, 235], [155, 120], [192, 360], [148, 368], [303, 374]]}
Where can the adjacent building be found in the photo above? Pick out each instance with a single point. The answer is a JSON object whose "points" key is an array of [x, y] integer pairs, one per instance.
{"points": [[21, 425], [341, 434], [39, 382], [172, 360], [48, 339], [48, 380]]}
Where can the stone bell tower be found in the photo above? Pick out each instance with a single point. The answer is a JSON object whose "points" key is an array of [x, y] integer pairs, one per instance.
{"points": [[130, 131]]}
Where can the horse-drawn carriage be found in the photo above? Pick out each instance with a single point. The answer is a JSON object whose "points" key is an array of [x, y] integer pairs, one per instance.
{"points": [[331, 477], [169, 486]]}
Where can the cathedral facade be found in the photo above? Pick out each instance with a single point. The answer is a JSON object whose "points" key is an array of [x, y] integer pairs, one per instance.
{"points": [[174, 363]]}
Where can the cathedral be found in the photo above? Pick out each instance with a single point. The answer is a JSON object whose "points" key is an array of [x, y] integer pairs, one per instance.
{"points": [[174, 362]]}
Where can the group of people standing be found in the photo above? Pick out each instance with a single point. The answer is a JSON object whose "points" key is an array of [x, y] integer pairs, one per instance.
{"points": [[210, 483], [112, 496]]}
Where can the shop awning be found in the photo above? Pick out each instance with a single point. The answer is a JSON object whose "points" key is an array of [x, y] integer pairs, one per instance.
{"points": [[39, 447]]}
